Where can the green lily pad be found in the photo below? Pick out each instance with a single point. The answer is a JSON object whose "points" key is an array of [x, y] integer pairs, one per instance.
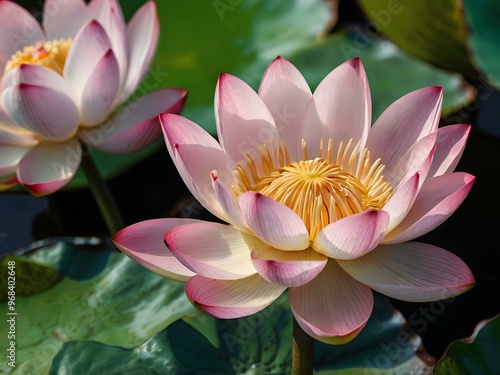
{"points": [[25, 277], [124, 305], [259, 344], [484, 34], [475, 355], [433, 31], [391, 72]]}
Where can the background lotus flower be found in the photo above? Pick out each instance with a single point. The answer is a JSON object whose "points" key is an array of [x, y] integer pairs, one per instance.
{"points": [[61, 85], [318, 201]]}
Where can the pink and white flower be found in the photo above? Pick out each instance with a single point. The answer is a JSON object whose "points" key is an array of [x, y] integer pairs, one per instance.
{"points": [[318, 201], [62, 83]]}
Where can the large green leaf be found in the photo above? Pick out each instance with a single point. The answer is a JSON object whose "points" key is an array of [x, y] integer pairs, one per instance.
{"points": [[484, 34], [391, 72], [475, 355], [434, 31], [124, 305], [259, 344]]}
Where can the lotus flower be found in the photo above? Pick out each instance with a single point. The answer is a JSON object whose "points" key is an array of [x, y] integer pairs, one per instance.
{"points": [[317, 201], [61, 85]]}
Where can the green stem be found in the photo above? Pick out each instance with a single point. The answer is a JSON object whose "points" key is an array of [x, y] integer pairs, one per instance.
{"points": [[303, 351], [102, 195]]}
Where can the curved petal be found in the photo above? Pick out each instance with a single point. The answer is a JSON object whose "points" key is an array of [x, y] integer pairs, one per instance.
{"points": [[143, 242], [48, 112], [228, 202], [342, 103], [286, 94], [143, 32], [243, 120], [49, 166], [18, 29], [10, 157], [436, 202], [418, 159], [412, 271], [403, 123], [136, 125], [402, 200], [89, 47], [63, 19], [274, 223], [213, 250], [332, 308], [109, 14], [287, 268], [100, 90], [352, 236], [228, 299], [450, 144], [196, 154]]}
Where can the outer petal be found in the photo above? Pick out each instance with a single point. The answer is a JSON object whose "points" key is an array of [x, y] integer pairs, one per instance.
{"points": [[407, 120], [49, 166], [287, 268], [18, 29], [228, 202], [63, 19], [137, 125], [274, 223], [412, 271], [436, 202], [196, 154], [100, 90], [232, 299], [89, 47], [10, 157], [450, 144], [400, 203], [213, 250], [143, 33], [352, 236], [243, 120], [143, 242], [332, 308], [286, 93], [48, 112], [342, 105]]}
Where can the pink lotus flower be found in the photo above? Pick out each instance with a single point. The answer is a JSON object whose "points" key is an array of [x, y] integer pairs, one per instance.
{"points": [[61, 84], [317, 201]]}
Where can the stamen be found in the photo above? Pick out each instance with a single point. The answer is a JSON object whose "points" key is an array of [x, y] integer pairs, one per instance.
{"points": [[319, 191], [51, 54]]}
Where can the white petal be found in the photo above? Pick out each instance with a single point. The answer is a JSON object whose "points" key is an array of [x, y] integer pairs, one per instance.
{"points": [[412, 271], [213, 250], [63, 19], [49, 166]]}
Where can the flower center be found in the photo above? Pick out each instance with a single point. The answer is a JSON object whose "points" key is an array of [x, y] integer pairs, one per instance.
{"points": [[320, 190], [50, 54]]}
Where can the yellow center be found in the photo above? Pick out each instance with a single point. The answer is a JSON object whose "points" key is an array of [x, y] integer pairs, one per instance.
{"points": [[51, 54], [320, 190]]}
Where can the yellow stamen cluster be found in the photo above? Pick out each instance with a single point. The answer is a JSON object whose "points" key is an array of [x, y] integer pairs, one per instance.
{"points": [[320, 190], [50, 54]]}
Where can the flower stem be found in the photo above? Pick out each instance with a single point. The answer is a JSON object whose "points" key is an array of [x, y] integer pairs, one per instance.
{"points": [[303, 351], [102, 195]]}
